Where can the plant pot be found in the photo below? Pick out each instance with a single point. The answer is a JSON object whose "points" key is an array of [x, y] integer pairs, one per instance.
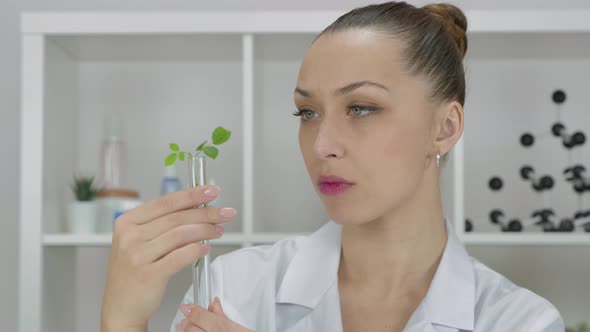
{"points": [[82, 217], [112, 203]]}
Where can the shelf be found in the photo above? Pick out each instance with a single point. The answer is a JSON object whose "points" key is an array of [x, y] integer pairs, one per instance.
{"points": [[527, 239], [158, 48], [497, 21], [175, 75], [265, 238], [63, 240]]}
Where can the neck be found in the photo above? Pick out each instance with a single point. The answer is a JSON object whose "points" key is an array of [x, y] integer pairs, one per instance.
{"points": [[399, 251]]}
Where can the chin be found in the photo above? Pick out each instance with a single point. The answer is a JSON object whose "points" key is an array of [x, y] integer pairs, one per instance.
{"points": [[349, 216]]}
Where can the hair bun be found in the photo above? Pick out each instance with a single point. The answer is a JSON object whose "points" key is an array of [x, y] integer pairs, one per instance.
{"points": [[455, 21]]}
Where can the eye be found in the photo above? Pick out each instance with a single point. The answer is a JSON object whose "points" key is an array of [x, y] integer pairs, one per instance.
{"points": [[304, 114], [361, 111]]}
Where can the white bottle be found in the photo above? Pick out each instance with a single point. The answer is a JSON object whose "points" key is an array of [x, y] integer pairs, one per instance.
{"points": [[113, 155], [170, 182]]}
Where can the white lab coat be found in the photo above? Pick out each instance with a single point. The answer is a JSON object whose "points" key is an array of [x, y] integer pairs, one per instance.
{"points": [[292, 286]]}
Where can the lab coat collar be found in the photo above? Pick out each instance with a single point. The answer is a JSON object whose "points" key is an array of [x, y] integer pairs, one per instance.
{"points": [[450, 300], [313, 269]]}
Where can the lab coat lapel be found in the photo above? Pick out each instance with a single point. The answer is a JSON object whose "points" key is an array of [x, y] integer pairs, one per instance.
{"points": [[325, 316], [418, 321], [449, 302], [311, 283]]}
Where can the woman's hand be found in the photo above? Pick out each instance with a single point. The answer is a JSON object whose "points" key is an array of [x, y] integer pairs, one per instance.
{"points": [[150, 244], [200, 320]]}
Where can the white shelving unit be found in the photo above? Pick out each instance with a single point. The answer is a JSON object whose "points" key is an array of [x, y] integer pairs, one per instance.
{"points": [[162, 71]]}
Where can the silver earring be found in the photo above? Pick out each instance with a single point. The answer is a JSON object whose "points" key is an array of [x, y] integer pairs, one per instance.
{"points": [[437, 160]]}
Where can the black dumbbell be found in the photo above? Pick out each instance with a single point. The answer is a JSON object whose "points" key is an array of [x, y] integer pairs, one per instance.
{"points": [[544, 220], [566, 225], [468, 226], [575, 175], [582, 218], [578, 138], [569, 141], [527, 139], [574, 172], [514, 225], [582, 214], [558, 96], [539, 184], [495, 183]]}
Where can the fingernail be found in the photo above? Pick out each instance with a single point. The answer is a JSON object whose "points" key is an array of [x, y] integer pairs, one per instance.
{"points": [[227, 212], [206, 248], [212, 191], [220, 229], [185, 309]]}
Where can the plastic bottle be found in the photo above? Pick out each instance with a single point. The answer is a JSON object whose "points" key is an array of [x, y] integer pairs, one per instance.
{"points": [[170, 182], [113, 155]]}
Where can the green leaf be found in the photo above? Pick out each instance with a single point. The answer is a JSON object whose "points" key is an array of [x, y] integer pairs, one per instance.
{"points": [[220, 135], [201, 146], [170, 159], [211, 151], [181, 156], [174, 147]]}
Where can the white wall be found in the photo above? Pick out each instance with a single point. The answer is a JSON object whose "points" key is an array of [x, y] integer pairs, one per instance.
{"points": [[10, 122]]}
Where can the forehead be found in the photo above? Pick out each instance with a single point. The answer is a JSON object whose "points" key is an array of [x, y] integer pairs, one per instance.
{"points": [[351, 55]]}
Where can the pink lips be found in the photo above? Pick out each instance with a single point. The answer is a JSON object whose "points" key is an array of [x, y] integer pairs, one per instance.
{"points": [[332, 185]]}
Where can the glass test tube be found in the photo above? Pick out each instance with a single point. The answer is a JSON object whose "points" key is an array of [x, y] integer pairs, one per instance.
{"points": [[197, 176]]}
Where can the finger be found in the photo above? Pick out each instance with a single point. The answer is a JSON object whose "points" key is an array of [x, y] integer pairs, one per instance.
{"points": [[193, 328], [175, 201], [216, 308], [179, 258], [206, 320], [182, 325], [188, 327], [176, 238], [208, 214]]}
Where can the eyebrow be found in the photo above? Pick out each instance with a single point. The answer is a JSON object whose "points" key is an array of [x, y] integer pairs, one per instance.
{"points": [[346, 89]]}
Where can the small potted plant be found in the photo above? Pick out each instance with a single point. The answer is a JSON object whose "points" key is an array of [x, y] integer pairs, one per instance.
{"points": [[83, 213]]}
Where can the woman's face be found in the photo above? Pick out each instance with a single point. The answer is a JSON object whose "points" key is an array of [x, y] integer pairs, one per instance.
{"points": [[366, 120]]}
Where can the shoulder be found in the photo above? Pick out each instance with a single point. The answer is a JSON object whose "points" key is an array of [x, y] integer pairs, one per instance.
{"points": [[501, 305]]}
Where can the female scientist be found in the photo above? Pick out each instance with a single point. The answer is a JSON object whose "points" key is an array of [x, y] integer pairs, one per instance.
{"points": [[380, 97]]}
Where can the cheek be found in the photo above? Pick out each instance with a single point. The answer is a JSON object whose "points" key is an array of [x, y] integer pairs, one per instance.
{"points": [[399, 161], [405, 145], [306, 146]]}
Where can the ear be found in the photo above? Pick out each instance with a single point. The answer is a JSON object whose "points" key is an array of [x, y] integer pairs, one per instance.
{"points": [[448, 126]]}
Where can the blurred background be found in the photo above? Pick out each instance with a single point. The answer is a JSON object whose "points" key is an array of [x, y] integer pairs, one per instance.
{"points": [[149, 84]]}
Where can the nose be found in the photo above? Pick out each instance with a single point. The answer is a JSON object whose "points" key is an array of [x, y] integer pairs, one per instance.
{"points": [[328, 142]]}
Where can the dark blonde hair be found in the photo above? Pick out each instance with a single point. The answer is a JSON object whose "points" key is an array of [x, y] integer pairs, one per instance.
{"points": [[435, 39]]}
